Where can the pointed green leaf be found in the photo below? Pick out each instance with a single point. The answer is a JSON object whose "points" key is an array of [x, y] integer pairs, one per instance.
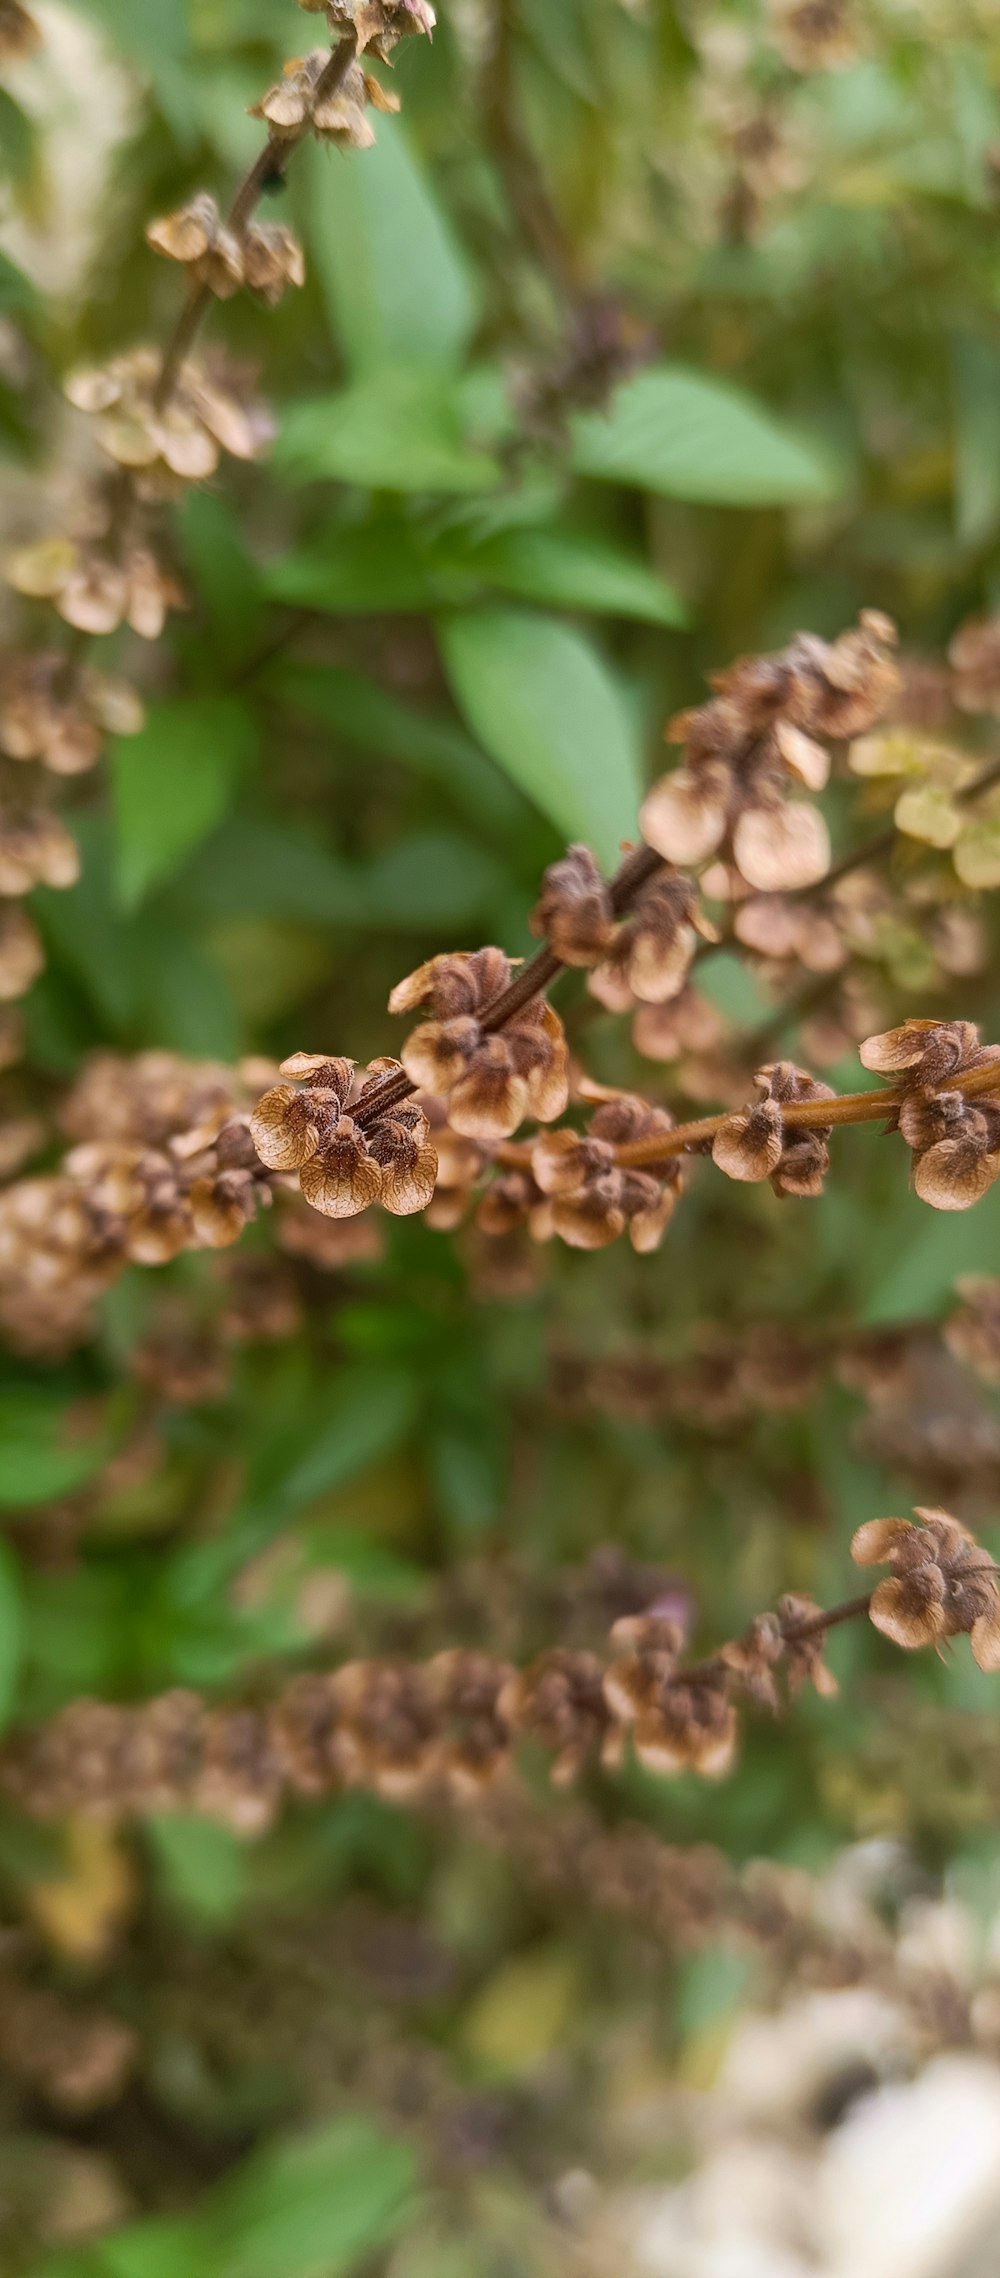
{"points": [[173, 782], [540, 699], [688, 436], [395, 282], [397, 428]]}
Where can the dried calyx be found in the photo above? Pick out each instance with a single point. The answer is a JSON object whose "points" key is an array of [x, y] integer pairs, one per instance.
{"points": [[729, 797], [307, 1124]]}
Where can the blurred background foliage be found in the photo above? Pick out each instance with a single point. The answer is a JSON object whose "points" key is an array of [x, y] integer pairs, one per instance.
{"points": [[422, 647]]}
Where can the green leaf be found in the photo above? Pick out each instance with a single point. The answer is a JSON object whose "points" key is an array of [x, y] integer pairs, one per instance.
{"points": [[38, 1456], [225, 576], [375, 720], [397, 427], [380, 564], [371, 1410], [540, 699], [395, 282], [312, 2206], [203, 1866], [675, 431], [573, 572], [173, 783], [11, 1629]]}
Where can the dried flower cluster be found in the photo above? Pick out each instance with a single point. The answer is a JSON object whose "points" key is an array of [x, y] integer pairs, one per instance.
{"points": [[729, 798], [309, 1125], [492, 1079], [163, 1162], [591, 1199], [955, 1141], [409, 1729], [265, 258], [757, 1144], [942, 1583]]}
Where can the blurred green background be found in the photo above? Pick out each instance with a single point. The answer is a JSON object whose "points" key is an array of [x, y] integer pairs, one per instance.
{"points": [[425, 645]]}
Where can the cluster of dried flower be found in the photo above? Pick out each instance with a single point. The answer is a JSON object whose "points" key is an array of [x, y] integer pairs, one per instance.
{"points": [[163, 422], [312, 1125], [78, 2058], [163, 1161], [451, 1725], [729, 800]]}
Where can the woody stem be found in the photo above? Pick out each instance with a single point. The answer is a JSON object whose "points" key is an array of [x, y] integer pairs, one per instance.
{"points": [[636, 870], [799, 1115], [793, 1633], [268, 167]]}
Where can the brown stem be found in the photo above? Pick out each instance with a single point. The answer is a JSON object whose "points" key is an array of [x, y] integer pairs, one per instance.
{"points": [[268, 167], [794, 1633], [639, 866], [800, 1115]]}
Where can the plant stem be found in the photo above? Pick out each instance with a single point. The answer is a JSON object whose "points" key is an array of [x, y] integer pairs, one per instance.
{"points": [[640, 864], [268, 167]]}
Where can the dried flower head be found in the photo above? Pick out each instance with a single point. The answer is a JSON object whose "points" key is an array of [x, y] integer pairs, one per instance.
{"points": [[942, 1583], [491, 1079], [756, 1144], [378, 24], [265, 256], [678, 1723], [559, 1702], [730, 795], [306, 101], [593, 1197], [574, 911], [306, 1124], [60, 715], [955, 1141], [650, 956], [208, 413], [36, 849], [974, 656]]}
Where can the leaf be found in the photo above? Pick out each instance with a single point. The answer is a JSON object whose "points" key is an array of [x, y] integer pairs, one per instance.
{"points": [[225, 575], [310, 2207], [203, 1866], [173, 783], [398, 427], [575, 572], [38, 1457], [539, 698], [435, 877], [371, 1411], [375, 720], [676, 431], [379, 565], [395, 283], [11, 1630]]}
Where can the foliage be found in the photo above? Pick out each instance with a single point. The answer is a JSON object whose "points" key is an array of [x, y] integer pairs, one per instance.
{"points": [[637, 341]]}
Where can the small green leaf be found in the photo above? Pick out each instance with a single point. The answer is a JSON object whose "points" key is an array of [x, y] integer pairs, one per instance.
{"points": [[310, 2207], [203, 1866], [573, 572], [173, 783], [395, 282], [39, 1458], [377, 565], [371, 1410], [540, 699], [678, 432], [398, 427]]}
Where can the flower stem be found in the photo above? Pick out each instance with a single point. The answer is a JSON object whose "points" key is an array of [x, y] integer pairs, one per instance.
{"points": [[268, 167]]}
